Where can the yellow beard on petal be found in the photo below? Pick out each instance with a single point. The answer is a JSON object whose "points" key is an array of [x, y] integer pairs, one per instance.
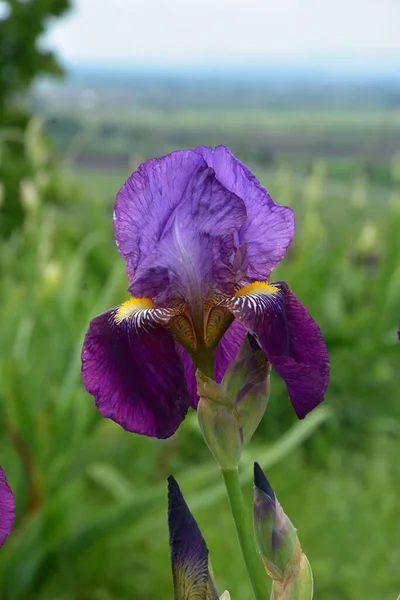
{"points": [[257, 287], [127, 308]]}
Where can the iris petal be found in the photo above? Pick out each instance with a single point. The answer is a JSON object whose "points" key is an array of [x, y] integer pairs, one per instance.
{"points": [[269, 227], [190, 374], [145, 203], [134, 372], [228, 348], [7, 508], [291, 340], [171, 217]]}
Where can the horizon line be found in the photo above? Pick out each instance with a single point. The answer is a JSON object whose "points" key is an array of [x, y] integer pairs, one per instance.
{"points": [[328, 69]]}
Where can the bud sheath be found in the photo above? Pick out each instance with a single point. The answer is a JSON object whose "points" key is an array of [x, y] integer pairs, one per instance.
{"points": [[219, 422], [247, 381]]}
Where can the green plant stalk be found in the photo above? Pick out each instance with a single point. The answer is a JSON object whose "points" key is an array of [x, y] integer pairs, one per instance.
{"points": [[244, 530]]}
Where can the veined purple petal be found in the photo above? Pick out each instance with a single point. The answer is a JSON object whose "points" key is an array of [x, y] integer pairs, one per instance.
{"points": [[7, 508], [190, 374], [166, 218], [134, 372], [269, 227], [189, 553], [291, 340], [143, 208], [228, 348]]}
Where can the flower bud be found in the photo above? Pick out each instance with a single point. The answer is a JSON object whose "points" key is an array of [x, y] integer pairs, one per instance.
{"points": [[189, 553], [219, 422], [279, 546], [247, 380]]}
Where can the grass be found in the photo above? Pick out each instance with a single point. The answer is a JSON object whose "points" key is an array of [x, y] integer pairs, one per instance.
{"points": [[91, 498]]}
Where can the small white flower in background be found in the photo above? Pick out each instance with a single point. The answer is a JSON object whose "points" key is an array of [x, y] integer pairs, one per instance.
{"points": [[226, 596], [29, 194]]}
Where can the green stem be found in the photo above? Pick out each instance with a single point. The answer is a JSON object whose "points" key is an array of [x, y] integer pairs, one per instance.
{"points": [[244, 530]]}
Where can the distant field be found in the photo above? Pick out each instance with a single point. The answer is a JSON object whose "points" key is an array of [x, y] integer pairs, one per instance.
{"points": [[104, 145], [285, 119]]}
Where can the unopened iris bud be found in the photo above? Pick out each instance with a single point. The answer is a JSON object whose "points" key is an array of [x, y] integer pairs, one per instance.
{"points": [[247, 381], [275, 533], [189, 553], [279, 546], [219, 422]]}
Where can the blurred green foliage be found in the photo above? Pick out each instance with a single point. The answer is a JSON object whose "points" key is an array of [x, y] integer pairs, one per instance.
{"points": [[91, 498], [22, 59]]}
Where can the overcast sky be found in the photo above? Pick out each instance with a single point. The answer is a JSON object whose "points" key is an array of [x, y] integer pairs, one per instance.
{"points": [[227, 31]]}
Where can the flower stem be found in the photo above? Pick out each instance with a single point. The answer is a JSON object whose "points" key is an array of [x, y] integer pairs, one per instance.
{"points": [[244, 530]]}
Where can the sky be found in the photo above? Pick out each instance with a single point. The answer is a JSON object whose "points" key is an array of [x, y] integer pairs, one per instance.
{"points": [[182, 32]]}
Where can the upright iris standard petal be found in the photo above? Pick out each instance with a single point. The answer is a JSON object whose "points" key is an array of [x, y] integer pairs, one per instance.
{"points": [[269, 227], [290, 338], [170, 218], [7, 508], [130, 365], [189, 553], [147, 200]]}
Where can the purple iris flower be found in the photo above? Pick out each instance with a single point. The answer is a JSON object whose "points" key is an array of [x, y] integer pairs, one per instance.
{"points": [[7, 508], [200, 237]]}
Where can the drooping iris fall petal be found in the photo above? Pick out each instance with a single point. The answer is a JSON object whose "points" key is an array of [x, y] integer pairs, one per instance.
{"points": [[7, 508], [189, 552], [134, 372], [290, 338]]}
